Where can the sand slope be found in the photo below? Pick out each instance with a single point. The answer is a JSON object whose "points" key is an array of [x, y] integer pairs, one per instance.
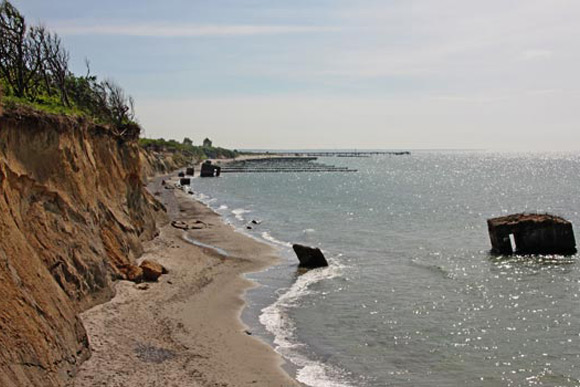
{"points": [[184, 330]]}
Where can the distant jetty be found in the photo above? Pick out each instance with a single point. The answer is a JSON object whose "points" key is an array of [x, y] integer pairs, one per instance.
{"points": [[281, 164], [343, 153]]}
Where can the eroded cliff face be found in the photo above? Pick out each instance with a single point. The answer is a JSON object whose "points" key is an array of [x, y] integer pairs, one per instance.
{"points": [[154, 163], [73, 214]]}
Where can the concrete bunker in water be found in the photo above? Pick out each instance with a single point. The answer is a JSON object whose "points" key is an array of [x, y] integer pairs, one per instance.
{"points": [[209, 170], [531, 234]]}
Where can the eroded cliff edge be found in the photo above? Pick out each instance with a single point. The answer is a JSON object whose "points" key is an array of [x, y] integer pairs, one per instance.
{"points": [[73, 214]]}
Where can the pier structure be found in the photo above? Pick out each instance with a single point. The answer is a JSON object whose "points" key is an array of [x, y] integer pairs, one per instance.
{"points": [[342, 153], [281, 164]]}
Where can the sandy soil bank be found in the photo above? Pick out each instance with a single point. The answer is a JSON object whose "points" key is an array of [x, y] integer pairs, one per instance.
{"points": [[185, 329]]}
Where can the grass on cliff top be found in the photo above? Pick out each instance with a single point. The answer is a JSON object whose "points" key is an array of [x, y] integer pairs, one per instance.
{"points": [[46, 104], [188, 150]]}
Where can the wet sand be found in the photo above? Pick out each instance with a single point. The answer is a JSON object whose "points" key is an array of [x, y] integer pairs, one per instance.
{"points": [[184, 330]]}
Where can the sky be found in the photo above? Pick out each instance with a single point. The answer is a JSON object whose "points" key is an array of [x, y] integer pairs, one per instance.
{"points": [[330, 74]]}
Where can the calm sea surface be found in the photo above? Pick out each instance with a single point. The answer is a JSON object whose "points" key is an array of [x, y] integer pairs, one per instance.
{"points": [[412, 296]]}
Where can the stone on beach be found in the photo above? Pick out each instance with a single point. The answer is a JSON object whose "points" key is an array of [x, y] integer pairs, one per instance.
{"points": [[133, 273], [309, 257], [531, 234], [152, 270]]}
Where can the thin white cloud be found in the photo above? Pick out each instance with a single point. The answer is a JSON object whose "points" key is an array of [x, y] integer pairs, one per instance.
{"points": [[183, 30], [536, 54]]}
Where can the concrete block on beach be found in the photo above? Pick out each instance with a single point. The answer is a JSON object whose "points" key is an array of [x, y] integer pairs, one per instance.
{"points": [[185, 181], [531, 234], [309, 257]]}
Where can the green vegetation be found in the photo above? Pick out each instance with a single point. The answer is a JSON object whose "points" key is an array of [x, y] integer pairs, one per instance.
{"points": [[187, 149], [34, 72]]}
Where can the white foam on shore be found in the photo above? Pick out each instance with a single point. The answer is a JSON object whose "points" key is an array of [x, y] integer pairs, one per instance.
{"points": [[266, 235], [218, 250], [276, 321], [275, 317], [201, 197], [238, 212]]}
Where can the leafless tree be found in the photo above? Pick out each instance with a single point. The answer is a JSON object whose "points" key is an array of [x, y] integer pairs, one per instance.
{"points": [[120, 105], [12, 47], [21, 54], [56, 59]]}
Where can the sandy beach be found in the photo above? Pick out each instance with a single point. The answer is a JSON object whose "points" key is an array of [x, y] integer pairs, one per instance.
{"points": [[184, 330]]}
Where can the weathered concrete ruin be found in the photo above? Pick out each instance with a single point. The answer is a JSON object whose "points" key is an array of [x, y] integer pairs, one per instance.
{"points": [[189, 171], [210, 170], [531, 234], [309, 257], [185, 181]]}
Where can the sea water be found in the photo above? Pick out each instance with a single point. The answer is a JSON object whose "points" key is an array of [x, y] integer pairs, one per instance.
{"points": [[412, 296]]}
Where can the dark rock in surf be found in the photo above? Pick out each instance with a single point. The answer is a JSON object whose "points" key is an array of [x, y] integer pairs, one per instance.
{"points": [[309, 257]]}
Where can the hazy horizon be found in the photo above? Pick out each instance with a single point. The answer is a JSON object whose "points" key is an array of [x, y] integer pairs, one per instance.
{"points": [[334, 73]]}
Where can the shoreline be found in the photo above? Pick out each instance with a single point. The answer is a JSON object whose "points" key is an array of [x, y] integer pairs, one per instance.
{"points": [[186, 329]]}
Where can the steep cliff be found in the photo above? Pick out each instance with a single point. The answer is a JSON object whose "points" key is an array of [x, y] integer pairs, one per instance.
{"points": [[154, 162], [73, 214]]}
